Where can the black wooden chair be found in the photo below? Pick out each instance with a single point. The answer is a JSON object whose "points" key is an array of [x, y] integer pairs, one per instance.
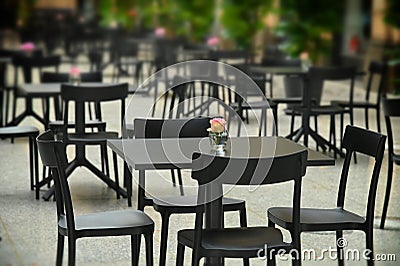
{"points": [[211, 172], [376, 77], [81, 95], [27, 64], [93, 122], [391, 109], [166, 206], [338, 219], [111, 223]]}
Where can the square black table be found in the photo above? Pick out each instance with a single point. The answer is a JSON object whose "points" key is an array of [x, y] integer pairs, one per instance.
{"points": [[151, 154]]}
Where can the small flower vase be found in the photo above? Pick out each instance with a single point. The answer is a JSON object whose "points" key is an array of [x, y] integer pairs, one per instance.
{"points": [[75, 79], [218, 141]]}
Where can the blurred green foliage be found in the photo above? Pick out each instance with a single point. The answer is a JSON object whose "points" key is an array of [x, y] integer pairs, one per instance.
{"points": [[306, 26], [242, 19]]}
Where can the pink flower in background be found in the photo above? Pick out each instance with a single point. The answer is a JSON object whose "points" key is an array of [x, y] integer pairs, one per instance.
{"points": [[218, 125], [213, 41], [27, 46], [75, 71], [160, 32]]}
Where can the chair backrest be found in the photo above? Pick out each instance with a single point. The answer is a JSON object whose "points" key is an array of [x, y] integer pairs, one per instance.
{"points": [[318, 75], [376, 75], [48, 77], [27, 63], [97, 94], [171, 128], [391, 108], [52, 153], [368, 143], [211, 172]]}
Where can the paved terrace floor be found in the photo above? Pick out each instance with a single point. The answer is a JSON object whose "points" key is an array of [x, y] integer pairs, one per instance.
{"points": [[28, 227]]}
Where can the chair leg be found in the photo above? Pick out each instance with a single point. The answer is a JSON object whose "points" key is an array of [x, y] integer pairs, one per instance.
{"points": [[33, 183], [135, 249], [71, 251], [115, 164], [366, 118], [35, 166], [378, 119], [369, 235], [243, 223], [60, 249], [340, 254], [316, 130], [149, 249], [387, 193], [180, 182], [164, 237], [173, 178], [180, 254]]}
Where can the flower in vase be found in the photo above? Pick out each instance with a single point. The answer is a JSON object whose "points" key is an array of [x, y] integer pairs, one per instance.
{"points": [[75, 75], [218, 133], [213, 41], [27, 46]]}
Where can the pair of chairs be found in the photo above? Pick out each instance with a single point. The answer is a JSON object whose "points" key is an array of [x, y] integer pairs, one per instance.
{"points": [[168, 205], [248, 242]]}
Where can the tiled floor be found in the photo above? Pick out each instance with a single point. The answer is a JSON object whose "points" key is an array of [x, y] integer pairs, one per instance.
{"points": [[28, 227]]}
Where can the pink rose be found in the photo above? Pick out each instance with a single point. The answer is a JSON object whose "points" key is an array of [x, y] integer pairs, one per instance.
{"points": [[213, 41], [218, 125], [27, 46], [75, 71], [160, 32]]}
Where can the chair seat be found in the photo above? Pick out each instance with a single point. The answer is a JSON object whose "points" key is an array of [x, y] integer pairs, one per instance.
{"points": [[359, 104], [316, 219], [189, 203], [19, 131], [91, 138], [108, 220], [71, 124], [235, 240]]}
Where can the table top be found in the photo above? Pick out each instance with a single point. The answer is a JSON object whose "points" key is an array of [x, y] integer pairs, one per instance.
{"points": [[146, 154], [50, 89]]}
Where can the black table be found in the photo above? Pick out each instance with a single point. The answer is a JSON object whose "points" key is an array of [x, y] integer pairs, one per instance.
{"points": [[46, 90], [304, 129], [150, 154]]}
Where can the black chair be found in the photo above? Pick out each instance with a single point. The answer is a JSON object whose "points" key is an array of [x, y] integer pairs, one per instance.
{"points": [[31, 133], [243, 102], [391, 109], [211, 172], [126, 59], [93, 122], [166, 206], [338, 219], [317, 76], [79, 137], [112, 223], [27, 64], [376, 78]]}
